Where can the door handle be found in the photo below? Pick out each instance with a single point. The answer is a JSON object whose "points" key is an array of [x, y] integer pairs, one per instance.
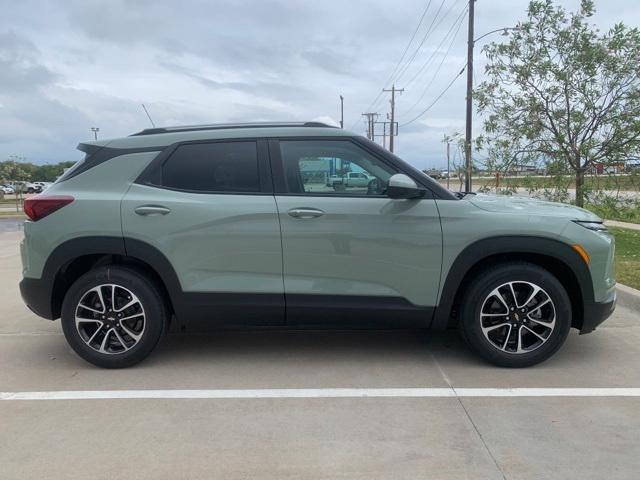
{"points": [[150, 210], [305, 212]]}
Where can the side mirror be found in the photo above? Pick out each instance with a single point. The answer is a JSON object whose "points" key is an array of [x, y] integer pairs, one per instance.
{"points": [[402, 186]]}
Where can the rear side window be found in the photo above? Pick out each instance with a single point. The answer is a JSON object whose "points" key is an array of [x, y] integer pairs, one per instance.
{"points": [[73, 170], [212, 167]]}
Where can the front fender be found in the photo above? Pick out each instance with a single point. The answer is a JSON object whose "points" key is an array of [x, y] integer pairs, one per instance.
{"points": [[495, 247]]}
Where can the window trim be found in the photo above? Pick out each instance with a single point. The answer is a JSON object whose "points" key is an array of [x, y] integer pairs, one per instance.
{"points": [[280, 183], [262, 154], [436, 190]]}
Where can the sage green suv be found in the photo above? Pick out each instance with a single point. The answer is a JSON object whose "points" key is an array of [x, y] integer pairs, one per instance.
{"points": [[191, 228]]}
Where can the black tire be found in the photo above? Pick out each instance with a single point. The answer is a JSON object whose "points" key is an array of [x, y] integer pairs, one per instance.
{"points": [[30, 190], [480, 289], [151, 304]]}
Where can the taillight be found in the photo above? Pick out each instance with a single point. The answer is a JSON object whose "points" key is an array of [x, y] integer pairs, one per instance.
{"points": [[42, 205]]}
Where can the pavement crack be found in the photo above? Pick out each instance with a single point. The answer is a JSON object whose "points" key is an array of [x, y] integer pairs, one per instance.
{"points": [[447, 380]]}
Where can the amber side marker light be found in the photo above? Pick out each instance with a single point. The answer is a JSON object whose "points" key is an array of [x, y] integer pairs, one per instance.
{"points": [[582, 252]]}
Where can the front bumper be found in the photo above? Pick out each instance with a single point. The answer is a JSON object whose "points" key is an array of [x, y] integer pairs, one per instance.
{"points": [[36, 294], [598, 312]]}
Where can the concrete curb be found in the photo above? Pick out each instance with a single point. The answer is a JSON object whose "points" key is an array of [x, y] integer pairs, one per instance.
{"points": [[629, 290], [628, 297], [615, 223]]}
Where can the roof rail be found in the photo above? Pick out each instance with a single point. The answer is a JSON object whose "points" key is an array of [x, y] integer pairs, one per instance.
{"points": [[224, 126]]}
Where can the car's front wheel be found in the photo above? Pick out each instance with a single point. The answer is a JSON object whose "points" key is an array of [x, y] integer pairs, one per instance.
{"points": [[515, 315], [113, 316]]}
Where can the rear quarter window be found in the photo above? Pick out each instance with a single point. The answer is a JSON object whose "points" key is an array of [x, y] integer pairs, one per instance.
{"points": [[226, 167], [71, 171]]}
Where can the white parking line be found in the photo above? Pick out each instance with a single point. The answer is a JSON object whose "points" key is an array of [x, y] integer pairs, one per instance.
{"points": [[322, 393]]}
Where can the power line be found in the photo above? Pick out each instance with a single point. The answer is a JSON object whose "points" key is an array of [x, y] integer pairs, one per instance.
{"points": [[437, 98], [458, 21], [424, 39], [428, 32], [435, 74], [406, 49]]}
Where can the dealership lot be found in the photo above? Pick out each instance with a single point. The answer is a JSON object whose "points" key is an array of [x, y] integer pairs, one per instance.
{"points": [[313, 431]]}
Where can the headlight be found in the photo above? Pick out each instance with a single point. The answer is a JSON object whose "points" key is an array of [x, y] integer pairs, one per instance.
{"points": [[595, 226]]}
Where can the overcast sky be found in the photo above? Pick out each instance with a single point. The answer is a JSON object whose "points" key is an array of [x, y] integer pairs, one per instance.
{"points": [[69, 65]]}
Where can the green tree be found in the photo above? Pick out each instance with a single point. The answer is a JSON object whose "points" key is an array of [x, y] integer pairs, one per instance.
{"points": [[560, 90], [12, 171], [17, 169], [49, 171]]}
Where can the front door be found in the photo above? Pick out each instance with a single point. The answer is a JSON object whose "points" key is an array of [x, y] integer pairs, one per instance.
{"points": [[208, 208], [349, 251]]}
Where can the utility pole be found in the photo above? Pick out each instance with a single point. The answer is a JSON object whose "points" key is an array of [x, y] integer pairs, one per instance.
{"points": [[341, 111], [95, 131], [448, 163], [392, 132], [467, 138], [371, 118], [384, 132]]}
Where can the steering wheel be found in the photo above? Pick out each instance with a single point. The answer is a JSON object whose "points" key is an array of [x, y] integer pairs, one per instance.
{"points": [[375, 187]]}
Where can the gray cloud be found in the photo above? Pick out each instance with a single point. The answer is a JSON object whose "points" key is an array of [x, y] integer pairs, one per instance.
{"points": [[20, 66]]}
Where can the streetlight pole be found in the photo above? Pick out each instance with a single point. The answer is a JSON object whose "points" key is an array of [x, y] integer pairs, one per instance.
{"points": [[467, 138], [95, 131], [341, 111], [468, 131]]}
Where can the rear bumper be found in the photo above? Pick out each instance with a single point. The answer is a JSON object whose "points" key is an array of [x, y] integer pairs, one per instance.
{"points": [[598, 312], [36, 294]]}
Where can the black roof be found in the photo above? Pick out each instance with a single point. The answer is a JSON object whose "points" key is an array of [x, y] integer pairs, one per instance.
{"points": [[223, 126]]}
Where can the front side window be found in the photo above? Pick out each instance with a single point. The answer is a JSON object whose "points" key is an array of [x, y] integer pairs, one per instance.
{"points": [[213, 167], [332, 167]]}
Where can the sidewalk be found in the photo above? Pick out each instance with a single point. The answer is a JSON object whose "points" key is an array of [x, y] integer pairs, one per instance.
{"points": [[614, 223]]}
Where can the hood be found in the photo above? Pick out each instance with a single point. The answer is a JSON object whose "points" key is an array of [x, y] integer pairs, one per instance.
{"points": [[530, 206]]}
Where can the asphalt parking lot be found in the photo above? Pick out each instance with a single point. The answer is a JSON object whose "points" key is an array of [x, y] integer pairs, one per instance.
{"points": [[314, 433]]}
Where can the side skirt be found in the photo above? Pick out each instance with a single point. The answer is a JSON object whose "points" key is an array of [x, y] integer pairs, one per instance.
{"points": [[210, 311]]}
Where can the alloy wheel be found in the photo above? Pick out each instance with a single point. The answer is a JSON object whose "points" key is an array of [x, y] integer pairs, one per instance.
{"points": [[110, 319], [518, 317]]}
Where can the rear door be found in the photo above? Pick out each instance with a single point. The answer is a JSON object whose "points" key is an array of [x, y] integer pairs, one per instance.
{"points": [[352, 253], [209, 209]]}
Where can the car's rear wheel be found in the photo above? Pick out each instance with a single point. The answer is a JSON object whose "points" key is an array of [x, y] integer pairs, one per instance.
{"points": [[515, 315], [113, 317]]}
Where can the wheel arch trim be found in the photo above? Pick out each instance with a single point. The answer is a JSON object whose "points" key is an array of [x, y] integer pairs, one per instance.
{"points": [[482, 250], [138, 250]]}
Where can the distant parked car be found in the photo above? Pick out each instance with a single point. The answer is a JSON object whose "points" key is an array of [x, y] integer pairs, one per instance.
{"points": [[31, 188], [7, 189], [43, 185], [632, 167], [435, 174], [351, 179]]}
